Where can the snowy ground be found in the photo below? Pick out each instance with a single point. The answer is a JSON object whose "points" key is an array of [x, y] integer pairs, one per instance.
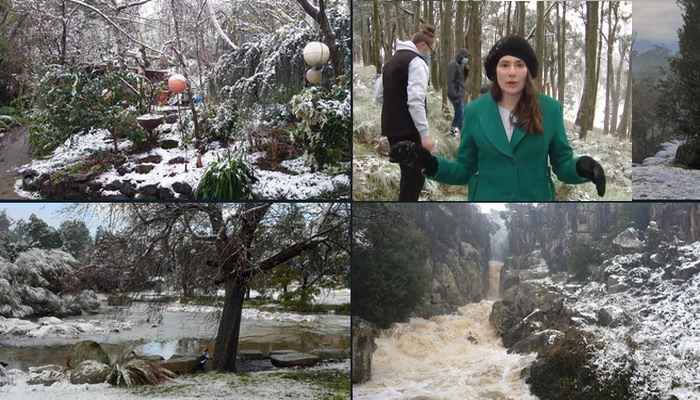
{"points": [[375, 178], [657, 178], [264, 385], [662, 328], [297, 183]]}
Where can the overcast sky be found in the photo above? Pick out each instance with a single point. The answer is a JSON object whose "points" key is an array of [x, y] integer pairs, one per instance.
{"points": [[656, 22]]}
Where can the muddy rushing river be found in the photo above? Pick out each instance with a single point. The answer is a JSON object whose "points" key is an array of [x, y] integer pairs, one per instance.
{"points": [[182, 331], [446, 357]]}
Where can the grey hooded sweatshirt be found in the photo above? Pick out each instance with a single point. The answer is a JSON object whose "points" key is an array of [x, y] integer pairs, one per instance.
{"points": [[455, 76]]}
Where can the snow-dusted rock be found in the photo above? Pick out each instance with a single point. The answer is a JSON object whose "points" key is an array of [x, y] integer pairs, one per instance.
{"points": [[539, 342], [86, 350], [46, 378], [90, 372], [293, 360], [627, 242]]}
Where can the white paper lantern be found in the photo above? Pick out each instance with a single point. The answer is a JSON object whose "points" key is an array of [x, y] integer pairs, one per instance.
{"points": [[314, 75], [316, 53]]}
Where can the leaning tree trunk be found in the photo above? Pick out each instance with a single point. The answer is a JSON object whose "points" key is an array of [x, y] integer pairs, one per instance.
{"points": [[226, 347]]}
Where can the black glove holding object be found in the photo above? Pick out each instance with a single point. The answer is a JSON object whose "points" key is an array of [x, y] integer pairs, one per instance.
{"points": [[413, 155], [588, 168]]}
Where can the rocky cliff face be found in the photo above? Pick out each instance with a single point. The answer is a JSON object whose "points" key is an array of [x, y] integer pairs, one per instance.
{"points": [[459, 249]]}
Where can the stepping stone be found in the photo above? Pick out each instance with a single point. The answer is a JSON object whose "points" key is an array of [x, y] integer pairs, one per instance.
{"points": [[293, 360], [251, 354]]}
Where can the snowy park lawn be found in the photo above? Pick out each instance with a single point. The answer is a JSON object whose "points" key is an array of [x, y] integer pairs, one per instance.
{"points": [[292, 180], [324, 381], [375, 178]]}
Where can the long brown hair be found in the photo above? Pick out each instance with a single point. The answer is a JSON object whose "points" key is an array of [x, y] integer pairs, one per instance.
{"points": [[527, 111]]}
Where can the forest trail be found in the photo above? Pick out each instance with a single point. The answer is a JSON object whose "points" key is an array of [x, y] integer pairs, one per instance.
{"points": [[14, 152]]}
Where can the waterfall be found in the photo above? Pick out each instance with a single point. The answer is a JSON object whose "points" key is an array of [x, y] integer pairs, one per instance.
{"points": [[494, 280], [446, 357]]}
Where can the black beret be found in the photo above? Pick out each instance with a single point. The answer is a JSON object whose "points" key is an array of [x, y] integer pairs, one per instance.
{"points": [[515, 46]]}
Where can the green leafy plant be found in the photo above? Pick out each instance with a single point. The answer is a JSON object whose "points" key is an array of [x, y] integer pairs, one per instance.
{"points": [[74, 99], [230, 179], [324, 128], [129, 370]]}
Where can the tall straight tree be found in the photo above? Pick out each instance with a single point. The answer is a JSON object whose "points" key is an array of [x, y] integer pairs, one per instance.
{"points": [[376, 43], [460, 40], [561, 52], [474, 37], [520, 14], [587, 106], [685, 66], [539, 42], [447, 49], [609, 120]]}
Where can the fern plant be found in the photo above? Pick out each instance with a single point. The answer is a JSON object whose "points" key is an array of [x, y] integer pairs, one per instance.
{"points": [[230, 179], [130, 370]]}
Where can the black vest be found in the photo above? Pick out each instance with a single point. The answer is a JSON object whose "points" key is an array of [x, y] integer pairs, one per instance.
{"points": [[396, 120]]}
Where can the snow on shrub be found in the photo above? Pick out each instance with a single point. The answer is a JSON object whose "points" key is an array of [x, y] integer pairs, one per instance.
{"points": [[324, 128]]}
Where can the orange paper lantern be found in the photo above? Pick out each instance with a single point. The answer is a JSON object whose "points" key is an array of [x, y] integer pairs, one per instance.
{"points": [[177, 83]]}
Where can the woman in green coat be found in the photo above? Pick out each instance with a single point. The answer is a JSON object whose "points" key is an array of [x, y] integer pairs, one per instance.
{"points": [[509, 138]]}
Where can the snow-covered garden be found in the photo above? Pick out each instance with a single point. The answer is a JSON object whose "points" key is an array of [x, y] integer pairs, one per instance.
{"points": [[182, 99]]}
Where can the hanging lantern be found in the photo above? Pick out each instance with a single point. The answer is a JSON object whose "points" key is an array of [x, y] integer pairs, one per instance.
{"points": [[316, 53], [313, 75], [177, 83]]}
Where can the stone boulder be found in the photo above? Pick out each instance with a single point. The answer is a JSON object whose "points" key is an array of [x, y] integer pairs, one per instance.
{"points": [[4, 376], [363, 346], [688, 154], [539, 342], [86, 350], [293, 360], [90, 372], [331, 354], [180, 364], [503, 316], [627, 242]]}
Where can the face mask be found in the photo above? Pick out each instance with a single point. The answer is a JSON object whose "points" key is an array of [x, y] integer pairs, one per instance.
{"points": [[426, 57], [465, 60]]}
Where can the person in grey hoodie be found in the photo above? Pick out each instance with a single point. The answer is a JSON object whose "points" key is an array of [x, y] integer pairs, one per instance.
{"points": [[402, 90], [457, 71]]}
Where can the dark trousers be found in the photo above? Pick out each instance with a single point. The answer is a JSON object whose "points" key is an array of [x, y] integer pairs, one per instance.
{"points": [[412, 179], [459, 114]]}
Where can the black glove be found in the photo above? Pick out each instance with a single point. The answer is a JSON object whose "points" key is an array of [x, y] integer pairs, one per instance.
{"points": [[413, 155], [588, 168]]}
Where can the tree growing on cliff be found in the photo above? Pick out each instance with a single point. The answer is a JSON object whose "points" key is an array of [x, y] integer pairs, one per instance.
{"points": [[388, 276]]}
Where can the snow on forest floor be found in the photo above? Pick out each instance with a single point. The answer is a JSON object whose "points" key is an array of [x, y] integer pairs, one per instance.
{"points": [[375, 178], [281, 383], [658, 178], [297, 182], [662, 332]]}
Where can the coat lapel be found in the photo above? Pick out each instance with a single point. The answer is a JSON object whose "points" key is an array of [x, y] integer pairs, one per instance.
{"points": [[493, 128], [518, 135]]}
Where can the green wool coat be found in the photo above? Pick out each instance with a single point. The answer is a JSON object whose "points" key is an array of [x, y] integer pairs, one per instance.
{"points": [[517, 171]]}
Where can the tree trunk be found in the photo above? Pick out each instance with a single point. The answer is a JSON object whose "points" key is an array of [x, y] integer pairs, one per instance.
{"points": [[448, 52], [539, 42], [389, 25], [376, 29], [624, 121], [226, 347], [416, 16], [561, 52], [587, 105], [459, 25], [617, 91], [520, 11], [609, 82], [474, 48], [508, 20], [433, 60]]}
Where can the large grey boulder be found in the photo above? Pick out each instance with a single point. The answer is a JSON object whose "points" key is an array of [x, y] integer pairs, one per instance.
{"points": [[627, 242], [90, 372], [4, 376], [503, 316], [293, 360], [86, 350], [363, 346], [251, 354]]}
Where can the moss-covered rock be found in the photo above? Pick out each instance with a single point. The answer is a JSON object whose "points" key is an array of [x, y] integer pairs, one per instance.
{"points": [[688, 154], [86, 350]]}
